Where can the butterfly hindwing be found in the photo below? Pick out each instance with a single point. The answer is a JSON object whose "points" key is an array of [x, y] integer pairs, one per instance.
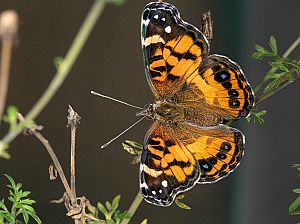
{"points": [[173, 49], [167, 167], [217, 149], [222, 86], [179, 155]]}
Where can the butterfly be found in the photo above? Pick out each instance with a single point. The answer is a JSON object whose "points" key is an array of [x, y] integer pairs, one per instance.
{"points": [[195, 95]]}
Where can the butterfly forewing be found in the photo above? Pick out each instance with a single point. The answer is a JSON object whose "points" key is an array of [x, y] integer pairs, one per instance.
{"points": [[173, 49]]}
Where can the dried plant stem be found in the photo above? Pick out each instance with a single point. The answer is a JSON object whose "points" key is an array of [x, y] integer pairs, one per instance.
{"points": [[34, 130], [291, 48], [4, 72], [64, 68], [72, 181], [73, 122], [133, 207], [57, 165]]}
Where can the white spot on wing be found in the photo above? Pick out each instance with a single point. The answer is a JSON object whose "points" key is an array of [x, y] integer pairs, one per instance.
{"points": [[163, 19], [146, 22], [164, 183], [156, 17], [168, 29], [160, 191], [153, 192]]}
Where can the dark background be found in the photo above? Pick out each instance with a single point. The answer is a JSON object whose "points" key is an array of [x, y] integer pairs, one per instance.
{"points": [[111, 62]]}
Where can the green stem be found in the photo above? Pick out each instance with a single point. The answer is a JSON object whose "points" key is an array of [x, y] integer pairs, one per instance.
{"points": [[273, 91], [64, 68], [133, 207], [291, 48]]}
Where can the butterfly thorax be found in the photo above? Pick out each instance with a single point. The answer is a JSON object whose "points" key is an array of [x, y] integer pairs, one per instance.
{"points": [[167, 112], [163, 111]]}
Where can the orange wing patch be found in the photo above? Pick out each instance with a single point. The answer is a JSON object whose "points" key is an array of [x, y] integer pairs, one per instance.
{"points": [[222, 85], [218, 149], [167, 167], [172, 50]]}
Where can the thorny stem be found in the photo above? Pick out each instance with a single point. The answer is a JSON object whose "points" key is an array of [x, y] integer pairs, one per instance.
{"points": [[133, 207], [64, 68], [291, 48]]}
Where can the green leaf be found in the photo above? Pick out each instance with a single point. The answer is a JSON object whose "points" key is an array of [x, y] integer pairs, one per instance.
{"points": [[132, 147], [11, 117], [102, 209], [29, 208], [115, 202], [2, 205], [58, 61], [275, 83], [181, 204], [260, 48], [108, 205], [25, 194], [279, 65], [119, 216], [293, 207], [3, 150], [273, 45], [36, 218], [11, 180], [27, 201], [257, 56], [25, 215], [297, 190], [258, 116]]}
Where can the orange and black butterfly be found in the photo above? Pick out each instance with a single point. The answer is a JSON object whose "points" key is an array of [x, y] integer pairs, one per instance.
{"points": [[195, 94]]}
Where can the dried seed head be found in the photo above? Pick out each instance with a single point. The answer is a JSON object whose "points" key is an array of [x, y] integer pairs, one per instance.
{"points": [[8, 24]]}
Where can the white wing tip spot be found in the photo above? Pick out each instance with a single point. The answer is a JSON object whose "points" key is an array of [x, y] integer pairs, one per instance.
{"points": [[168, 29], [156, 17], [164, 183]]}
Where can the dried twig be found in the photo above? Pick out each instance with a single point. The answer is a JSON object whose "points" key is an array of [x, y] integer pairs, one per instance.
{"points": [[73, 122], [207, 26], [35, 131], [8, 32], [76, 206]]}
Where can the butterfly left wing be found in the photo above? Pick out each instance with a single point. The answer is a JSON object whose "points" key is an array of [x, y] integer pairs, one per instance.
{"points": [[220, 88], [176, 156], [173, 49]]}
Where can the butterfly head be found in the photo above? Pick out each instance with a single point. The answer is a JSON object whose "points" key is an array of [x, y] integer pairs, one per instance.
{"points": [[147, 112]]}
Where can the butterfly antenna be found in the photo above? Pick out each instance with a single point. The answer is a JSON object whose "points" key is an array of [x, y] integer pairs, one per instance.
{"points": [[113, 99], [107, 143]]}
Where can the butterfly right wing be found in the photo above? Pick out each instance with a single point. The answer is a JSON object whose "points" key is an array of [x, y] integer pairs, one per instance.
{"points": [[172, 48], [176, 156], [167, 166]]}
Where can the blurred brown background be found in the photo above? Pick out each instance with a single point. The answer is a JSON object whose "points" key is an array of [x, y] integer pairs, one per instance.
{"points": [[111, 62]]}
